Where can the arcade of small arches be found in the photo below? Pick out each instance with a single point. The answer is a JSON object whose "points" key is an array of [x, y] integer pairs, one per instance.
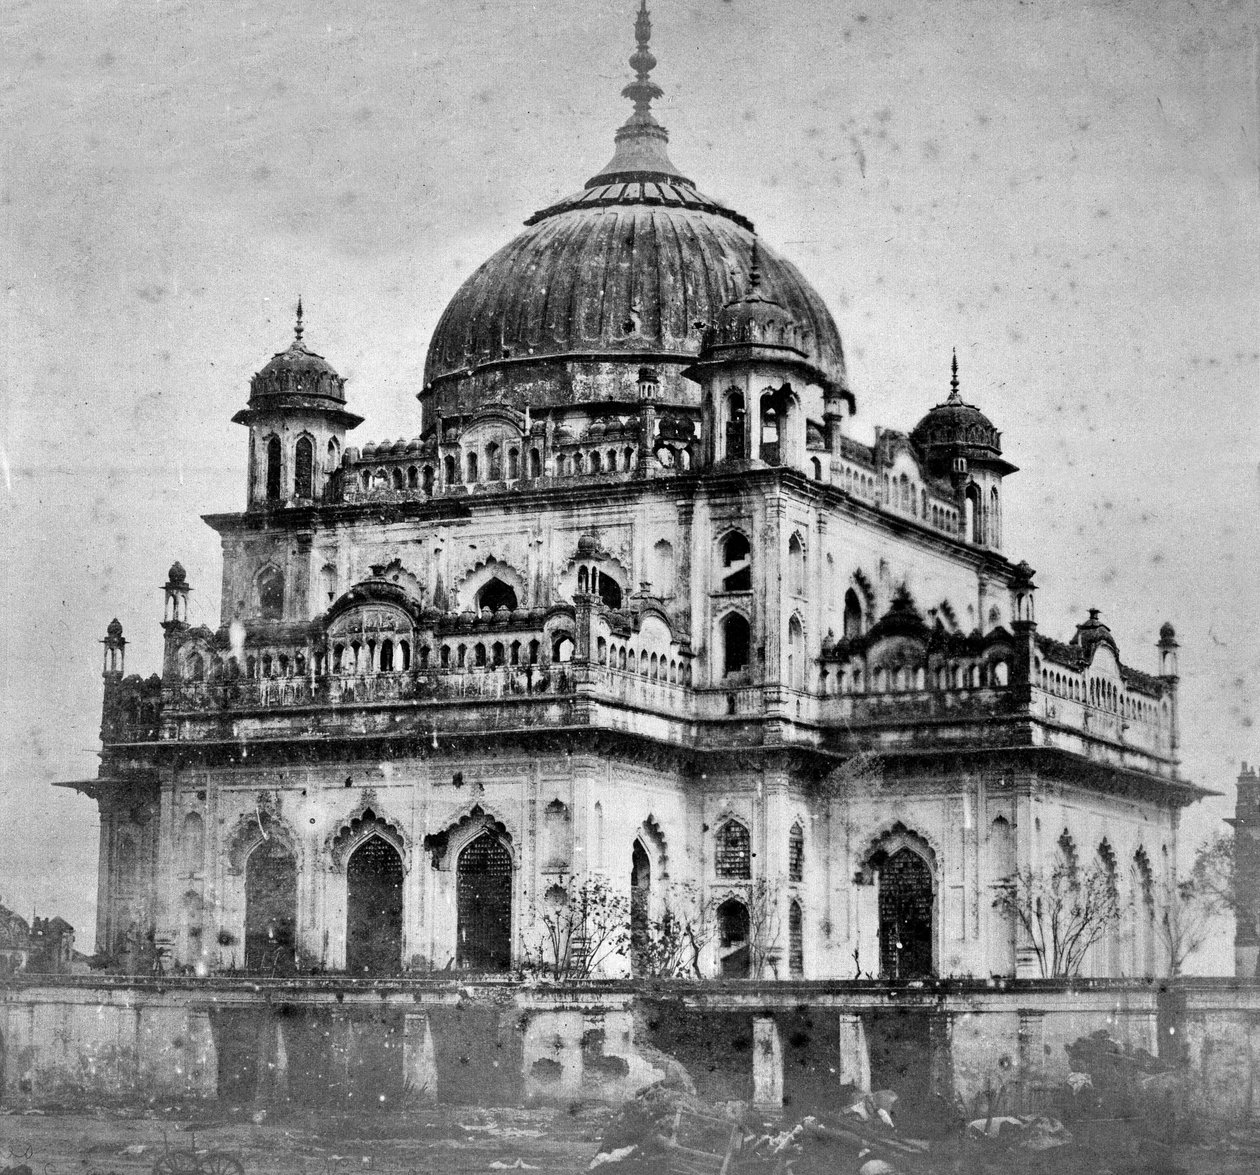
{"points": [[300, 466], [1099, 693]]}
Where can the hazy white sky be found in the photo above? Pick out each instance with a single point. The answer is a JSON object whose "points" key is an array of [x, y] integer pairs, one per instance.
{"points": [[1066, 190]]}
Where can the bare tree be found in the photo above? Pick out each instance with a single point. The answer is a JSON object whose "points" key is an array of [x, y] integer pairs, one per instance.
{"points": [[1192, 904], [583, 924], [1062, 913], [673, 941], [765, 927]]}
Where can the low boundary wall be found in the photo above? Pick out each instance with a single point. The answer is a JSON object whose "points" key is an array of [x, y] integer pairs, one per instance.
{"points": [[385, 1043]]}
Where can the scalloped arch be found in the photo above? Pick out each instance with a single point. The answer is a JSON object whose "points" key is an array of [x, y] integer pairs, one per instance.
{"points": [[252, 829], [651, 831], [366, 821], [481, 572], [459, 831], [895, 836]]}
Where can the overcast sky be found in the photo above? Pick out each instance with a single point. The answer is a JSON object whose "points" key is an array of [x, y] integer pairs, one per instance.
{"points": [[1066, 191]]}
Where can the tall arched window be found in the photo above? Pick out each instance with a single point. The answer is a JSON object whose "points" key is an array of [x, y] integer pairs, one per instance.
{"points": [[732, 852], [273, 469], [304, 468], [535, 463], [736, 639], [796, 940], [514, 464], [449, 469], [494, 462], [796, 853], [736, 563], [796, 654], [334, 456], [769, 449], [796, 565], [852, 615], [471, 463], [975, 514], [995, 525], [734, 426], [271, 594]]}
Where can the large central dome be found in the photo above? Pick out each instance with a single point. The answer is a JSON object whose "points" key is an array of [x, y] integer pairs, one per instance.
{"points": [[629, 271]]}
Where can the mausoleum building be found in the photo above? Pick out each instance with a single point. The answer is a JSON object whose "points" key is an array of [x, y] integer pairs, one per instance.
{"points": [[632, 604]]}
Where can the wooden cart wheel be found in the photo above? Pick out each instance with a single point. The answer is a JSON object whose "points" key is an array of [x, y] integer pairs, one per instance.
{"points": [[176, 1163], [221, 1163]]}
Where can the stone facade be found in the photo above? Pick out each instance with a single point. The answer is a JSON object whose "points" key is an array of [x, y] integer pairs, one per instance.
{"points": [[633, 605]]}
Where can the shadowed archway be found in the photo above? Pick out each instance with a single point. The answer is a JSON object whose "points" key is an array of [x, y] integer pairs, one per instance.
{"points": [[483, 896], [270, 907], [374, 908]]}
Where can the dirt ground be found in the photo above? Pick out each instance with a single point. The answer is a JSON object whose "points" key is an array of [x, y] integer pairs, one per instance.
{"points": [[451, 1140]]}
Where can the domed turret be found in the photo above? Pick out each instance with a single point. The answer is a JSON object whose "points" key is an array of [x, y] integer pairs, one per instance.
{"points": [[631, 270], [1093, 632], [955, 430], [758, 344], [297, 424], [958, 442]]}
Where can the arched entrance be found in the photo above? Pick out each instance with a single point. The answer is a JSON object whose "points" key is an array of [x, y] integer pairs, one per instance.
{"points": [[374, 908], [905, 916], [270, 907], [483, 898], [640, 906], [732, 924]]}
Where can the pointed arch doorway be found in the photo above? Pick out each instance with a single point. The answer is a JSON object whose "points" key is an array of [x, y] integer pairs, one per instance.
{"points": [[270, 907], [483, 899], [374, 908], [906, 901], [640, 909]]}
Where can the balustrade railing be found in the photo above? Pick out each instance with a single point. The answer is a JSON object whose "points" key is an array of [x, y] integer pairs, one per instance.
{"points": [[343, 689]]}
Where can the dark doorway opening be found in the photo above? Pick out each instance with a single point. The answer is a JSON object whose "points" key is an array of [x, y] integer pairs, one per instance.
{"points": [[483, 898], [640, 914], [609, 590], [905, 916], [270, 908], [374, 907], [732, 921], [496, 595]]}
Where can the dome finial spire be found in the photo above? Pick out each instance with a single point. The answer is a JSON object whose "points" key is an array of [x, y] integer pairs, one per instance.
{"points": [[297, 329], [954, 397], [640, 152], [642, 90], [754, 273]]}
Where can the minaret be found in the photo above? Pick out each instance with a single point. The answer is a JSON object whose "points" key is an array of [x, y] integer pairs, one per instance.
{"points": [[1169, 674], [297, 423]]}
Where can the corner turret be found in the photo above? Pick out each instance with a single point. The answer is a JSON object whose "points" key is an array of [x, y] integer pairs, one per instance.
{"points": [[958, 443], [297, 423]]}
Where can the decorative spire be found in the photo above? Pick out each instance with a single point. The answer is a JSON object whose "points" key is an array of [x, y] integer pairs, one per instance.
{"points": [[754, 273], [297, 330], [642, 90], [954, 397], [640, 151]]}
